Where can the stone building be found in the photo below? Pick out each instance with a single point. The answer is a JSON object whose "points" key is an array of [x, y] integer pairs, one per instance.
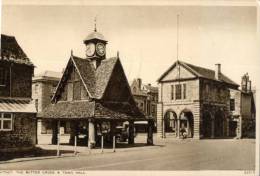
{"points": [[146, 98], [17, 111], [194, 100], [43, 88], [243, 110], [93, 95]]}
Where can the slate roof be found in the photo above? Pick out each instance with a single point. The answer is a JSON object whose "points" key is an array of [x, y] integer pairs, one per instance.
{"points": [[87, 109], [69, 109], [12, 52], [117, 111], [200, 72], [96, 82]]}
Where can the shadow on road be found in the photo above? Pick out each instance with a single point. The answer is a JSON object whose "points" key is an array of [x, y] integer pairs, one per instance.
{"points": [[35, 152]]}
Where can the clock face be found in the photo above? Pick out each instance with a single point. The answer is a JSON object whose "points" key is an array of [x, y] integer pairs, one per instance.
{"points": [[90, 49], [101, 50]]}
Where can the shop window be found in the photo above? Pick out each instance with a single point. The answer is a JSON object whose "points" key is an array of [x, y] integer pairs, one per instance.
{"points": [[6, 122], [232, 104], [178, 91], [2, 76], [46, 127]]}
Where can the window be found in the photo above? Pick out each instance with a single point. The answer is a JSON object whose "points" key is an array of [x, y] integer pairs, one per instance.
{"points": [[3, 75], [184, 91], [232, 104], [153, 108], [172, 92], [178, 91], [5, 122], [36, 87]]}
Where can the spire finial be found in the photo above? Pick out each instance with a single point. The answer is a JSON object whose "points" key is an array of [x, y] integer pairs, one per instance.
{"points": [[95, 23], [117, 53], [177, 37], [71, 52]]}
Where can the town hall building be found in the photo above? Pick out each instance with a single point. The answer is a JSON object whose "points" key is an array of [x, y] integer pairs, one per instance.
{"points": [[194, 101]]}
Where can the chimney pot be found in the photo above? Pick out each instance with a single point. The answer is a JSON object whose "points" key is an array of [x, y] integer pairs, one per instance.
{"points": [[139, 80], [217, 71]]}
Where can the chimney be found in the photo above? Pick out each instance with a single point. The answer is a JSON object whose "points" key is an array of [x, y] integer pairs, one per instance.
{"points": [[249, 86], [217, 71], [149, 85], [139, 81]]}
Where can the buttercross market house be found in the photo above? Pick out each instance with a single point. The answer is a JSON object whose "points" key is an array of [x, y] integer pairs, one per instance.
{"points": [[94, 96]]}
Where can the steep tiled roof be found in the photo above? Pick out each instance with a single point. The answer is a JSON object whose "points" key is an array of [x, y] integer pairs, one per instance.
{"points": [[103, 74], [87, 72], [69, 109], [117, 111], [95, 80], [12, 52], [200, 72]]}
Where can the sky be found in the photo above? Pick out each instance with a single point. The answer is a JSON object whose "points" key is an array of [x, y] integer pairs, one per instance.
{"points": [[145, 36]]}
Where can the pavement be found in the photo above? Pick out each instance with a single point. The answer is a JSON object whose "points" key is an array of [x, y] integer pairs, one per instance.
{"points": [[167, 154]]}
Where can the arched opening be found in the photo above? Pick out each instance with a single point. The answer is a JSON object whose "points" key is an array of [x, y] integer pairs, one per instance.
{"points": [[186, 123], [219, 123], [170, 122], [207, 125]]}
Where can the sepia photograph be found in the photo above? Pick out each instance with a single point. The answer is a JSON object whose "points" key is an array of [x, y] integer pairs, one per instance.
{"points": [[129, 87]]}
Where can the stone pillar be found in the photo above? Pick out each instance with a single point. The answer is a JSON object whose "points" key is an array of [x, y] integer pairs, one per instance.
{"points": [[212, 128], [178, 128], [54, 139], [188, 128], [91, 134], [131, 133], [196, 120], [159, 118], [112, 130], [150, 132], [39, 127], [227, 127]]}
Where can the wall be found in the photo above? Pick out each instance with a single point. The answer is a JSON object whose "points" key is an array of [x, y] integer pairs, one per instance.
{"points": [[236, 95], [44, 93], [192, 92], [22, 135]]}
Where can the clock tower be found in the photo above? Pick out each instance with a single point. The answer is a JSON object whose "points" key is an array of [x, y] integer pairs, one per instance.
{"points": [[95, 47]]}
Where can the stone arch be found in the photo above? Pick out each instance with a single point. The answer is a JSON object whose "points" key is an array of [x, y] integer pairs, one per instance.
{"points": [[207, 124], [186, 122], [170, 121]]}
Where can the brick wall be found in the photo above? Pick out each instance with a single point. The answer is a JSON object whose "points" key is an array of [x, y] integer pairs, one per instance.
{"points": [[23, 133]]}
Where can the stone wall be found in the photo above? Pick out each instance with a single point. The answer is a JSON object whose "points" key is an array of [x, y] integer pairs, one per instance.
{"points": [[23, 134]]}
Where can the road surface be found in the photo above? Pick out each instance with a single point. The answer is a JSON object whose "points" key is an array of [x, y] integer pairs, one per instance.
{"points": [[172, 155]]}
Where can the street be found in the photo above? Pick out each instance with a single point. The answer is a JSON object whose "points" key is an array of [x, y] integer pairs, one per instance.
{"points": [[218, 154]]}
